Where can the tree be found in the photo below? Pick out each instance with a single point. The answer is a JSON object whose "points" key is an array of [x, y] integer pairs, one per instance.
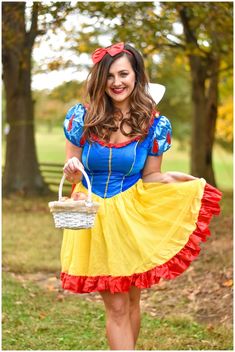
{"points": [[206, 41], [21, 172]]}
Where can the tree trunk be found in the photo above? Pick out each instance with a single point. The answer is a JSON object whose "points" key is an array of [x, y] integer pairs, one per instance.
{"points": [[21, 173], [205, 101], [204, 72], [211, 116]]}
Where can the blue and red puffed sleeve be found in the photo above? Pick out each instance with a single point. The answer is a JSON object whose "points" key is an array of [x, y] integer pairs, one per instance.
{"points": [[74, 124], [160, 136]]}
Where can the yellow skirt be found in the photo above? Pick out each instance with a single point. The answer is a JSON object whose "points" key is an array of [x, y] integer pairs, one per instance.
{"points": [[148, 232]]}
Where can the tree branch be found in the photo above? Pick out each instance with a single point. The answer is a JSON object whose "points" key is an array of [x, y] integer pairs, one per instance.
{"points": [[33, 32], [164, 45], [189, 34], [173, 44], [228, 68]]}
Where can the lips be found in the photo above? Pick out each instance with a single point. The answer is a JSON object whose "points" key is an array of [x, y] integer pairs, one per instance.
{"points": [[118, 90]]}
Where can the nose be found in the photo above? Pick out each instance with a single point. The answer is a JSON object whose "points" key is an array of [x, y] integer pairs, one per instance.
{"points": [[116, 81]]}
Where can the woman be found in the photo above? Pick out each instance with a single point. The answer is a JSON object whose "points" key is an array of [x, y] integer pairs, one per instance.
{"points": [[149, 223]]}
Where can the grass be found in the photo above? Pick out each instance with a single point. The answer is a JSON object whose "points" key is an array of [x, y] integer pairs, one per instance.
{"points": [[42, 321], [38, 243], [50, 145]]}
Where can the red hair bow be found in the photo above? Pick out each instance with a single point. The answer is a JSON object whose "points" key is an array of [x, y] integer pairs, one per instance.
{"points": [[112, 50]]}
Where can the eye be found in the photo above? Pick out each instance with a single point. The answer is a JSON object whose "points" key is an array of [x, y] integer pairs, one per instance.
{"points": [[124, 74]]}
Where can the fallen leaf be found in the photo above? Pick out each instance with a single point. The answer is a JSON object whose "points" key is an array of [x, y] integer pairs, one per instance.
{"points": [[210, 327], [60, 298], [228, 283], [52, 279], [153, 314], [51, 288], [42, 315]]}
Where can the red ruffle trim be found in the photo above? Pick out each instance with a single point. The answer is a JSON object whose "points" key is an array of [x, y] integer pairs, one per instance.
{"points": [[114, 145], [169, 270]]}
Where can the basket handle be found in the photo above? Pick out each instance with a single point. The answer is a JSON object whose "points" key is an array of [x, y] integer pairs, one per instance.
{"points": [[89, 200]]}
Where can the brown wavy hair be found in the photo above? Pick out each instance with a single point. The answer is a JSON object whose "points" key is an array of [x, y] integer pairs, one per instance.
{"points": [[102, 117]]}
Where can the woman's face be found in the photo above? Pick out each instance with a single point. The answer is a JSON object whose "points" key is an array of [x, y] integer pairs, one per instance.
{"points": [[120, 81]]}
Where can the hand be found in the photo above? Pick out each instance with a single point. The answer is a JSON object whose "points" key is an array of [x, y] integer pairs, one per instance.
{"points": [[175, 176], [168, 177], [72, 169]]}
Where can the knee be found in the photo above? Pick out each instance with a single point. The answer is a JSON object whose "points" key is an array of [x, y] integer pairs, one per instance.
{"points": [[118, 311]]}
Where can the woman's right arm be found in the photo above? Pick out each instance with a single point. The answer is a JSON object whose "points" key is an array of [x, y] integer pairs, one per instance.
{"points": [[73, 163]]}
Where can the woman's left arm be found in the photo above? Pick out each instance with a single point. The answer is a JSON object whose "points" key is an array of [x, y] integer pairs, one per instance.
{"points": [[152, 169], [152, 172]]}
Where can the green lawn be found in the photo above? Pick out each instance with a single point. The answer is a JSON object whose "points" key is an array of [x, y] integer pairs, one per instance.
{"points": [[51, 145], [34, 319], [40, 319]]}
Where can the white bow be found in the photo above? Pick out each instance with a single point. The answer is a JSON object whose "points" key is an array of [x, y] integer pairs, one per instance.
{"points": [[156, 91]]}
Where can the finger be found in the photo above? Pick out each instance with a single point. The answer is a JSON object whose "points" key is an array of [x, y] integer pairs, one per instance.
{"points": [[72, 167], [78, 164], [183, 176], [190, 178], [67, 169], [69, 178]]}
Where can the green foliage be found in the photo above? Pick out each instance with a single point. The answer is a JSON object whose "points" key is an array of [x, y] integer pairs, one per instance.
{"points": [[176, 103], [68, 91], [150, 25], [225, 123], [151, 29], [51, 107]]}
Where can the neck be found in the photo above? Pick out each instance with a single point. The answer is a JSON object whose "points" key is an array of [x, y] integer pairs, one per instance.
{"points": [[124, 107]]}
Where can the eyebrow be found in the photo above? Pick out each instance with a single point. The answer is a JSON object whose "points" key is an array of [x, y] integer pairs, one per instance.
{"points": [[110, 73]]}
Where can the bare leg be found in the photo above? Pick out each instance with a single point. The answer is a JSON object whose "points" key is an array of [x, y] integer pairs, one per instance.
{"points": [[134, 296], [118, 325]]}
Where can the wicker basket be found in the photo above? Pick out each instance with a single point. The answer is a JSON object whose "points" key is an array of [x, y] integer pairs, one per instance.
{"points": [[74, 214]]}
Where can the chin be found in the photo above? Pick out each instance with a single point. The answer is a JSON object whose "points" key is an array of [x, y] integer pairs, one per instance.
{"points": [[119, 99]]}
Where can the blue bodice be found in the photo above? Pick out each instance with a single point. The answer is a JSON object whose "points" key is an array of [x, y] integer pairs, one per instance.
{"points": [[115, 168]]}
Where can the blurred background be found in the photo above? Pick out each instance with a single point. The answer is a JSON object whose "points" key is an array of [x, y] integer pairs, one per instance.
{"points": [[46, 56], [186, 47]]}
